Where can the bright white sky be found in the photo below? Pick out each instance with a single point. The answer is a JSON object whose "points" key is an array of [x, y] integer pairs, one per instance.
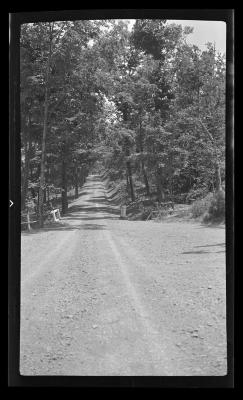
{"points": [[204, 32]]}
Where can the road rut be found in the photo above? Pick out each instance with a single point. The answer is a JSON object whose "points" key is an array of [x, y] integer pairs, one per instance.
{"points": [[104, 296]]}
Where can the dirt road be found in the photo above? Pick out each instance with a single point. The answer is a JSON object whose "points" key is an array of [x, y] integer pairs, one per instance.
{"points": [[104, 296]]}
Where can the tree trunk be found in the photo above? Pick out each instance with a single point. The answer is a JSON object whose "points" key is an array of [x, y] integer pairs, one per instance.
{"points": [[145, 179], [146, 182], [81, 177], [129, 172], [86, 173], [160, 191], [171, 186], [64, 188], [26, 170], [127, 179], [27, 151], [43, 152], [170, 178], [218, 178], [44, 195], [76, 191], [217, 165], [76, 183]]}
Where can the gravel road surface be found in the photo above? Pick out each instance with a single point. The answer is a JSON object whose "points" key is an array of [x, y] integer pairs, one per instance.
{"points": [[104, 296]]}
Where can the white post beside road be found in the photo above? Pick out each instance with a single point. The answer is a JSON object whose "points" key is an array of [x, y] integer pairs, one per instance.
{"points": [[53, 212]]}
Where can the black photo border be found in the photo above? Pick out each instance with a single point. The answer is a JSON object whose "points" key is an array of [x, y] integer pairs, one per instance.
{"points": [[17, 18]]}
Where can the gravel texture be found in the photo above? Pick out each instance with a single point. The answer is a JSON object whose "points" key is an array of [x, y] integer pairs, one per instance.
{"points": [[105, 296]]}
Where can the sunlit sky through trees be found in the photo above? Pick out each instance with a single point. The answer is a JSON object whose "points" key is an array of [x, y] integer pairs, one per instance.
{"points": [[203, 32]]}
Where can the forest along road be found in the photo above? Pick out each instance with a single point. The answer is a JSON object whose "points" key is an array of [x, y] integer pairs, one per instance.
{"points": [[104, 296]]}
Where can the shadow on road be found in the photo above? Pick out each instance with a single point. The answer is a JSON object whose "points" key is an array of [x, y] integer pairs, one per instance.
{"points": [[215, 225], [196, 252], [96, 208], [65, 227], [206, 251], [102, 205], [211, 245], [203, 251]]}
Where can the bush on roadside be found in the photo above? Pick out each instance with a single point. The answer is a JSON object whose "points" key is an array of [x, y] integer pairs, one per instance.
{"points": [[211, 207], [216, 209], [200, 207]]}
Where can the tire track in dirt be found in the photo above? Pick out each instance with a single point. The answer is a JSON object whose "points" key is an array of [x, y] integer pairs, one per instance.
{"points": [[49, 258], [101, 307], [182, 317], [156, 349]]}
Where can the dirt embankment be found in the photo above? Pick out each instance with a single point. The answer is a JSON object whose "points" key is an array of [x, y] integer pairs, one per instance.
{"points": [[144, 209]]}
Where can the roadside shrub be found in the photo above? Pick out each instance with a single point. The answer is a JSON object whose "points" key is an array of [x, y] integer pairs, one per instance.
{"points": [[206, 217], [200, 207], [211, 207], [216, 210]]}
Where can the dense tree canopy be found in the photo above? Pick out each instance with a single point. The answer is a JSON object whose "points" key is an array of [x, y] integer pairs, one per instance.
{"points": [[144, 103]]}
